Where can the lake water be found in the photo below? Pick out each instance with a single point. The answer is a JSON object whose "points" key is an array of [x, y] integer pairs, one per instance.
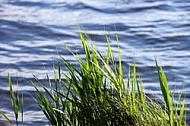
{"points": [[32, 30]]}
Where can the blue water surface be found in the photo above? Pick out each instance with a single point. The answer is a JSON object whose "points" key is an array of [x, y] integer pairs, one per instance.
{"points": [[32, 30]]}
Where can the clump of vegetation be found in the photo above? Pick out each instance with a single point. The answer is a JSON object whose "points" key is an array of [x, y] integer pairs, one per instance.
{"points": [[97, 94]]}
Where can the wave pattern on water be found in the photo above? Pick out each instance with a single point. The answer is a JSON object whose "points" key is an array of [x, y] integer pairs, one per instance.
{"points": [[32, 30]]}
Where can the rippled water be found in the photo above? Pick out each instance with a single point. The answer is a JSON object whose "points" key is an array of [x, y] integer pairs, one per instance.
{"points": [[32, 30]]}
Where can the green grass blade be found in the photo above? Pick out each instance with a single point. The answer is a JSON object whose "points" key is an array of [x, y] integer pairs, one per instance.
{"points": [[166, 94], [182, 111], [86, 51], [120, 64], [14, 99], [134, 88], [6, 117]]}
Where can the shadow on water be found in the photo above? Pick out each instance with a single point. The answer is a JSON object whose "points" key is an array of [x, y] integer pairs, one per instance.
{"points": [[4, 123]]}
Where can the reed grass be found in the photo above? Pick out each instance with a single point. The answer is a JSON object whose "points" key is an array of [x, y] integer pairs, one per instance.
{"points": [[174, 118], [97, 94], [17, 102]]}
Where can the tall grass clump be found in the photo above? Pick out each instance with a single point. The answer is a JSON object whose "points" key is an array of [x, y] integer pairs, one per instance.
{"points": [[97, 94]]}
